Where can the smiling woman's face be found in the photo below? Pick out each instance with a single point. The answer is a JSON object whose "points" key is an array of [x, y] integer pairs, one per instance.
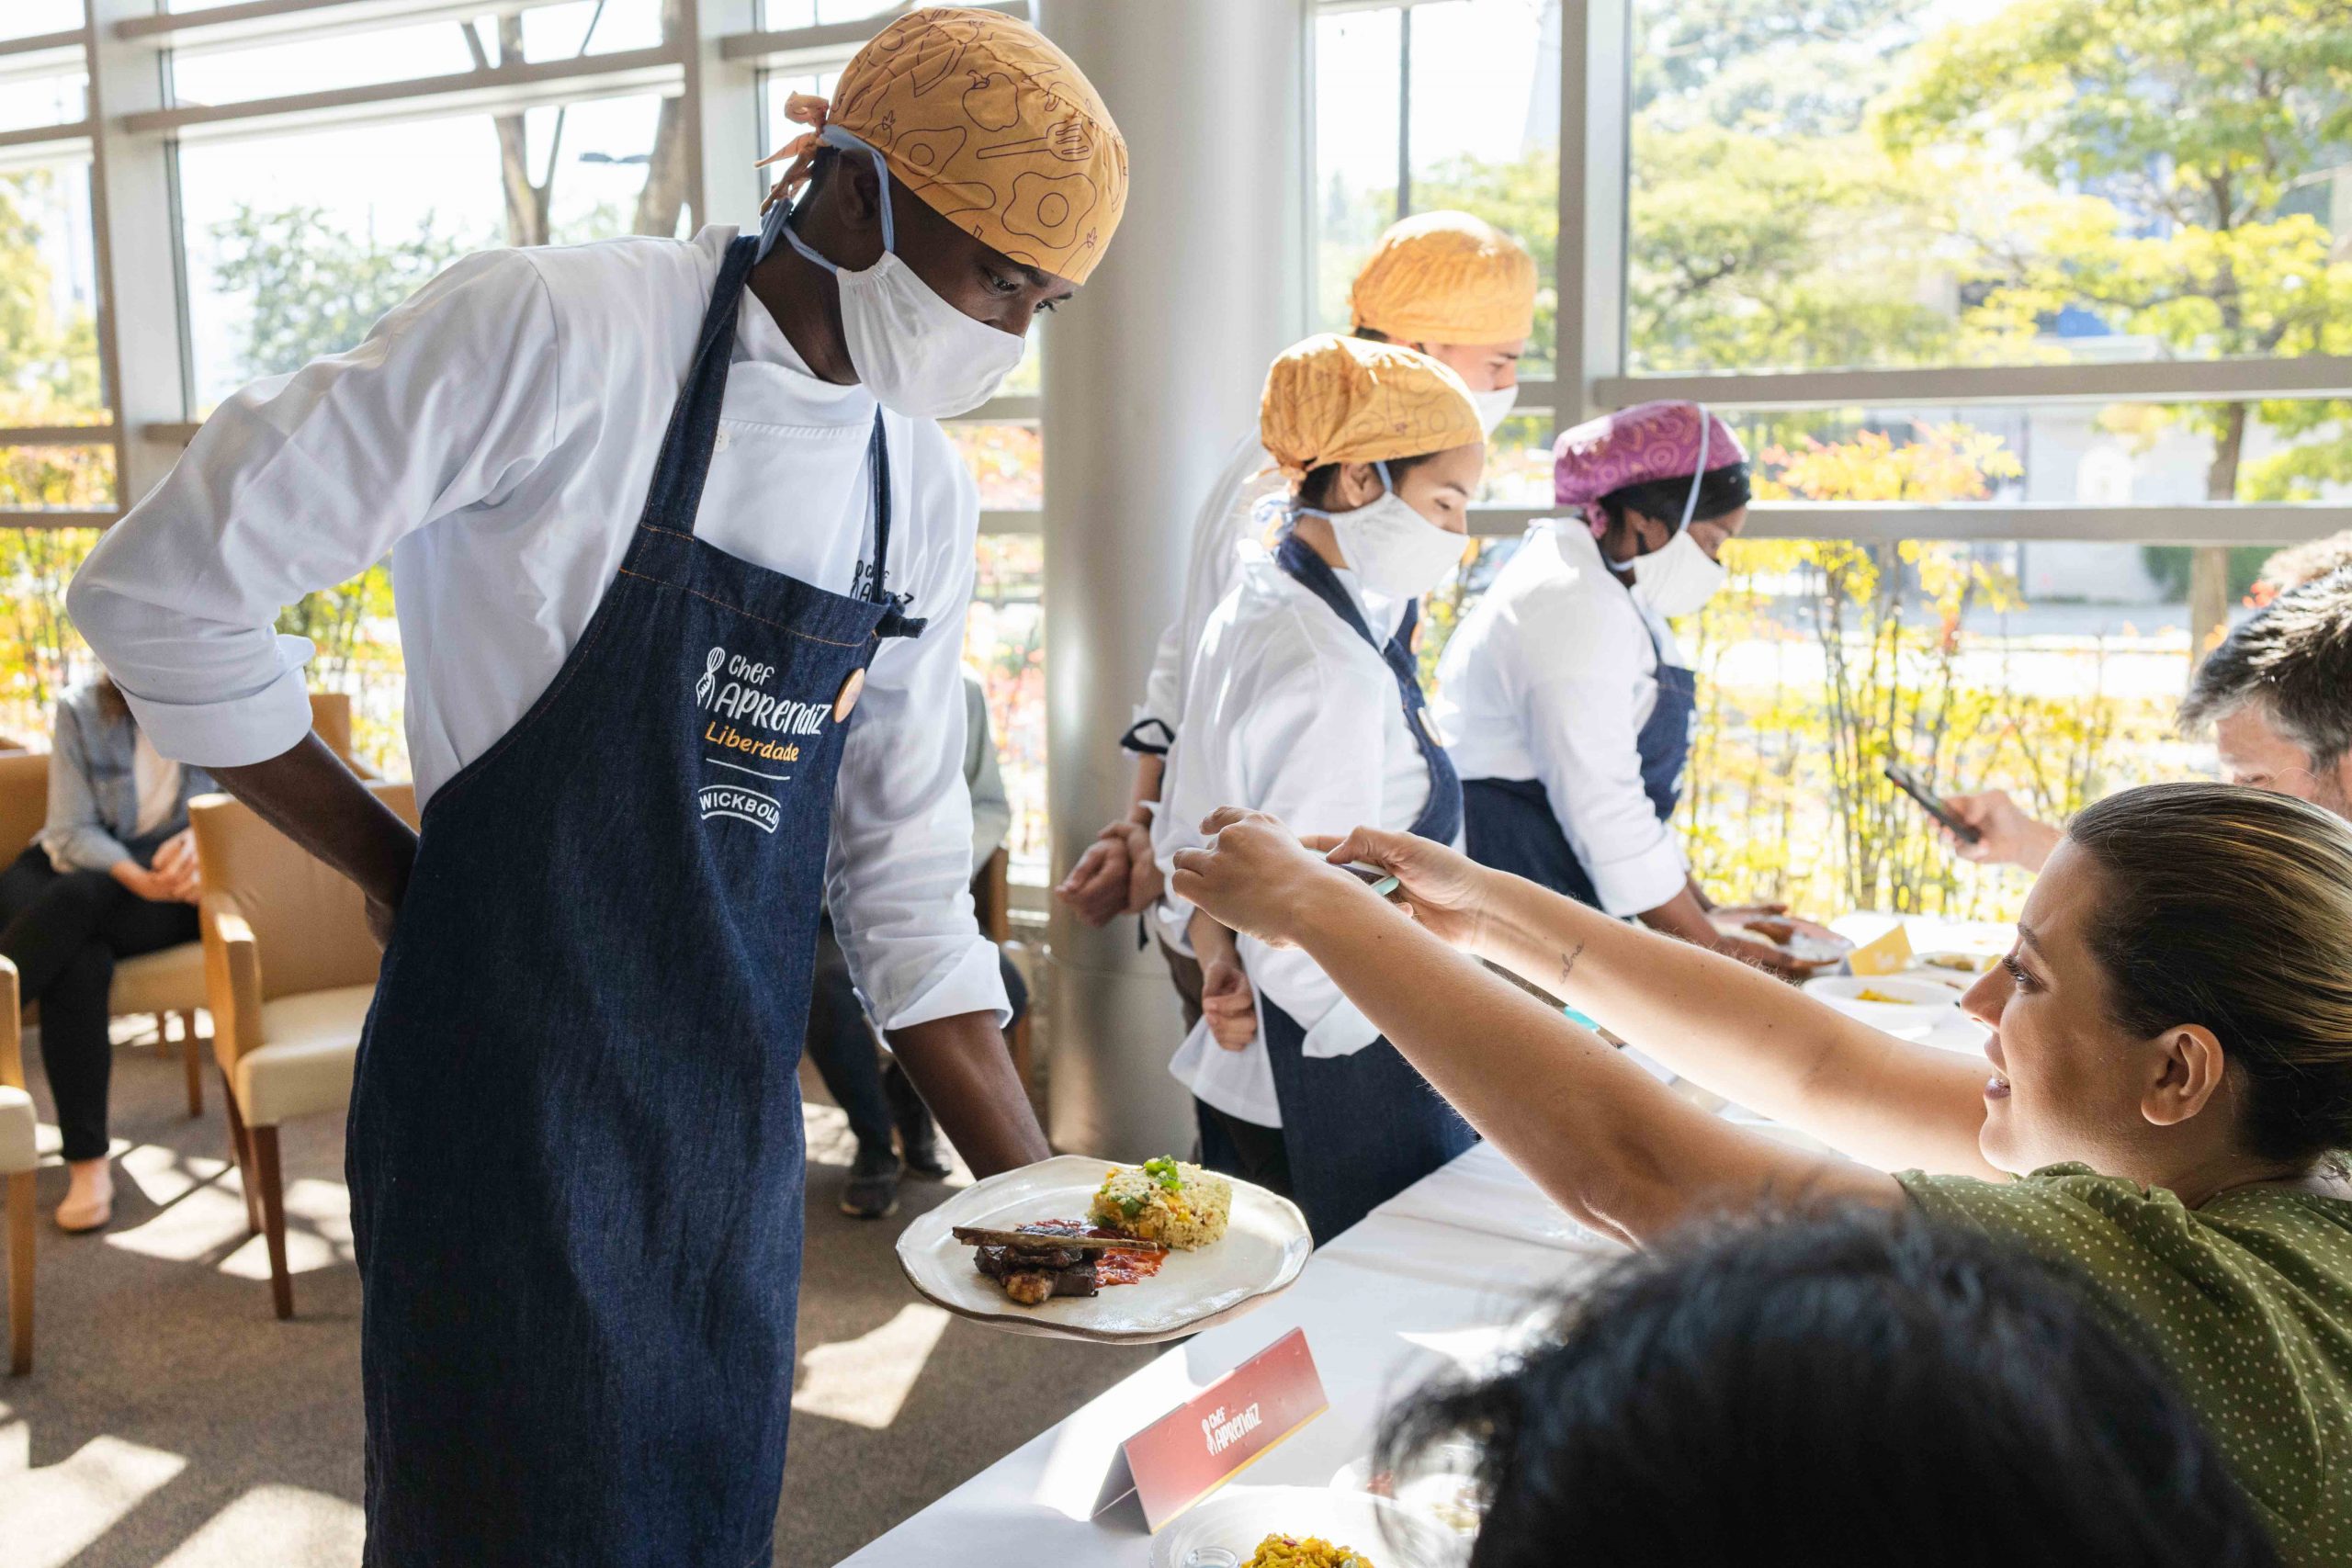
{"points": [[2067, 1083]]}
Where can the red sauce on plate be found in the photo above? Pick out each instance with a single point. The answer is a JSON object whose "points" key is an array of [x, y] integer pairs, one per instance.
{"points": [[1116, 1267]]}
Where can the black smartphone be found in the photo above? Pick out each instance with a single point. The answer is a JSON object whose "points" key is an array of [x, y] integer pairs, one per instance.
{"points": [[1382, 882], [1932, 806]]}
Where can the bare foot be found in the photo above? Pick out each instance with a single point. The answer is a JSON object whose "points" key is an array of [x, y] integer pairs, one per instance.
{"points": [[89, 1196]]}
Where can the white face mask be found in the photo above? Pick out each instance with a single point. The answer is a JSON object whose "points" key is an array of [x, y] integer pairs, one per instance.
{"points": [[1676, 579], [1495, 407], [1679, 577], [1393, 549], [917, 354]]}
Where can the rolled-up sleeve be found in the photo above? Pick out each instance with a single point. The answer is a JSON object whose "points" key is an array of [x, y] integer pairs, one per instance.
{"points": [[899, 875], [302, 481], [1578, 697], [74, 834]]}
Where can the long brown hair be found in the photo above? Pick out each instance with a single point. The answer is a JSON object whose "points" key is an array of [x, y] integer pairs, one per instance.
{"points": [[2232, 909]]}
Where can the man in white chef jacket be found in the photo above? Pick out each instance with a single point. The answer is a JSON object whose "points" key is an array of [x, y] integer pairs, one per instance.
{"points": [[517, 436]]}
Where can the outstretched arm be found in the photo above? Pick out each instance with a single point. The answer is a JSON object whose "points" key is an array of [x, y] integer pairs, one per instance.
{"points": [[1602, 1138]]}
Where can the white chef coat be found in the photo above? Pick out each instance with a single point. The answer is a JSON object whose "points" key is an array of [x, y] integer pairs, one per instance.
{"points": [[1551, 677], [1226, 534], [1288, 711], [497, 435]]}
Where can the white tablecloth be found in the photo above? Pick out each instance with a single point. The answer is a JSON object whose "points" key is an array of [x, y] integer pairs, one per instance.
{"points": [[1448, 1274], [1445, 1275]]}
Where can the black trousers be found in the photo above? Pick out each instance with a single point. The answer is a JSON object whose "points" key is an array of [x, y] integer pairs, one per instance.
{"points": [[842, 1046], [63, 931]]}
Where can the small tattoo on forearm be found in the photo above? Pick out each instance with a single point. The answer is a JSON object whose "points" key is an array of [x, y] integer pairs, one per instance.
{"points": [[1568, 960]]}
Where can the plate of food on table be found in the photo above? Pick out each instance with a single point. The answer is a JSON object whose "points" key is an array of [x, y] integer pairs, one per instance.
{"points": [[1807, 945], [1302, 1527], [1079, 1248]]}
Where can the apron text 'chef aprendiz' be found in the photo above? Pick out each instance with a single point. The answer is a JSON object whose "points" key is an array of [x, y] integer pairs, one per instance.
{"points": [[575, 1143], [1511, 826], [1359, 1129]]}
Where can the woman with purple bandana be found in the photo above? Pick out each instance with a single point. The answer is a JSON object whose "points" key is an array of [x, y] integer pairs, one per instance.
{"points": [[1563, 698]]}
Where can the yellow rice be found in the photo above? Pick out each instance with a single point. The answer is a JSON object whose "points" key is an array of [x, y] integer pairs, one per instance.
{"points": [[1134, 1203], [1305, 1552]]}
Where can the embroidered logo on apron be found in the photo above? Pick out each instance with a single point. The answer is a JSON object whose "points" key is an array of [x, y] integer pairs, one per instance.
{"points": [[762, 811], [752, 726]]}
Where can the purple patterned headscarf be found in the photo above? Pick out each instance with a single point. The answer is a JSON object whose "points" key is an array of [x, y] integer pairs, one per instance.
{"points": [[1636, 445]]}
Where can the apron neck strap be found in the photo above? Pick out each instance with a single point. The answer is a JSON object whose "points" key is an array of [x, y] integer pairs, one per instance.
{"points": [[684, 462]]}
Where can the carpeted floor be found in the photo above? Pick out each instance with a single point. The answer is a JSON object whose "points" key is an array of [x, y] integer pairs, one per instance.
{"points": [[170, 1422]]}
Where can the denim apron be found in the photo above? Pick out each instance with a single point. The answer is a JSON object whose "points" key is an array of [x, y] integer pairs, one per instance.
{"points": [[1359, 1129], [1509, 823], [575, 1144]]}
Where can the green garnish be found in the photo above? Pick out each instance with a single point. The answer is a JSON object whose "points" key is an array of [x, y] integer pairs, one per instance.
{"points": [[1131, 1207], [1163, 1171]]}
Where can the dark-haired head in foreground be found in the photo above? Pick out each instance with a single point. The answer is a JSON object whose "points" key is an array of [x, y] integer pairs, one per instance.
{"points": [[1857, 1387]]}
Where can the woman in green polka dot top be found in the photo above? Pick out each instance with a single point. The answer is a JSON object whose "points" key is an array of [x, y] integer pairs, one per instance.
{"points": [[2170, 1085]]}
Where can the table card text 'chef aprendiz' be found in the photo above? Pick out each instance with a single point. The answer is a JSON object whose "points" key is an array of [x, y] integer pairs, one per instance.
{"points": [[1204, 1442]]}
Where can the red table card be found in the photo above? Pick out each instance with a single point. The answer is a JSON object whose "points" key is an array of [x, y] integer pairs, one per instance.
{"points": [[1204, 1442]]}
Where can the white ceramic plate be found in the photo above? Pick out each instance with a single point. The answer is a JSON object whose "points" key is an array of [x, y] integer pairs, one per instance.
{"points": [[1810, 943], [1924, 1003], [1264, 1247], [1237, 1518]]}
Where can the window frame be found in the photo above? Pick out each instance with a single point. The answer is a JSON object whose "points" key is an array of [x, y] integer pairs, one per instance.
{"points": [[716, 62], [1594, 377]]}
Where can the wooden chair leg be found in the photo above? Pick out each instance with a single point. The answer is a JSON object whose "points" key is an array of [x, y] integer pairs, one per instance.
{"points": [[20, 1273], [241, 1146], [272, 1213], [192, 1061]]}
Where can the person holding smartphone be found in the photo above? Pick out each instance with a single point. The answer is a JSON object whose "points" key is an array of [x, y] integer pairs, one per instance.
{"points": [[2277, 695]]}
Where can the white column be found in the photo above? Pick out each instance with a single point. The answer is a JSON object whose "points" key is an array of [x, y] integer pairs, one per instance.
{"points": [[1150, 378], [138, 249]]}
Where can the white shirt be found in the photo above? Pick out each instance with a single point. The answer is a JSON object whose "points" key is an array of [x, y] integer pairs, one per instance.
{"points": [[1551, 677], [1224, 537], [497, 434], [157, 780], [1288, 710]]}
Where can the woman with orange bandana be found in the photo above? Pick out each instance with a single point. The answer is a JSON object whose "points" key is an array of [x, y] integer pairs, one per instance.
{"points": [[639, 496], [1303, 692], [1450, 285]]}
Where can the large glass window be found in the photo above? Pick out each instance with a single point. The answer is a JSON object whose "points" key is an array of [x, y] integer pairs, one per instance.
{"points": [[297, 244], [1908, 182], [36, 18], [412, 50], [1449, 104]]}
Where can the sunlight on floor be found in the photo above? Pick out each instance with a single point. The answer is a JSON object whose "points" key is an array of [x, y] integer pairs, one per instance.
{"points": [[865, 1380], [166, 1176], [58, 1510], [318, 1232], [276, 1524]]}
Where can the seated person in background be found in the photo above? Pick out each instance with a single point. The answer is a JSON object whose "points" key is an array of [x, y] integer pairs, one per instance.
{"points": [[112, 875], [2277, 694], [2170, 1085], [877, 1097], [1930, 1399]]}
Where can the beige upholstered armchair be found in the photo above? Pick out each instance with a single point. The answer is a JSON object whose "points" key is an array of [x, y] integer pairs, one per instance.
{"points": [[18, 1156], [290, 969]]}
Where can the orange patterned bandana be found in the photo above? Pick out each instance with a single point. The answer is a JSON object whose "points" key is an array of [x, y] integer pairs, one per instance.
{"points": [[990, 124], [1347, 400], [1446, 278]]}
